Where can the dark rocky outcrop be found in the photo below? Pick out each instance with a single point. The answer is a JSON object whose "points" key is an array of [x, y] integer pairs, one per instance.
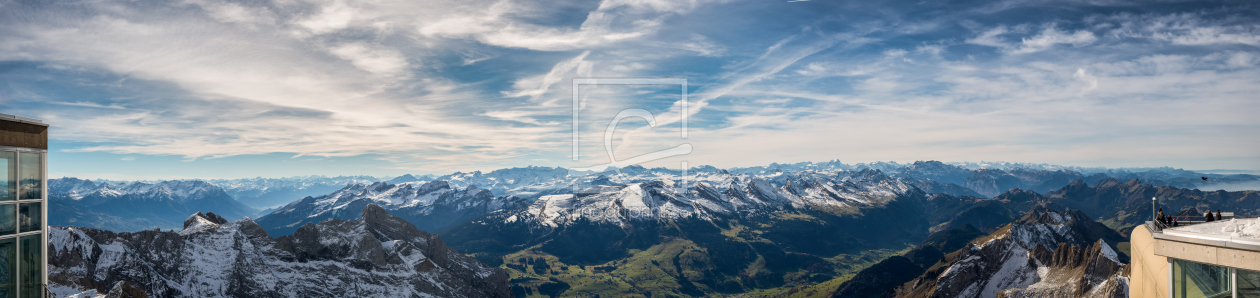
{"points": [[124, 290], [872, 281], [881, 279]]}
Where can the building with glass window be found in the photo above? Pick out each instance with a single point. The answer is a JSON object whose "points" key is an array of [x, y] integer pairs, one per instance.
{"points": [[1215, 259], [23, 190]]}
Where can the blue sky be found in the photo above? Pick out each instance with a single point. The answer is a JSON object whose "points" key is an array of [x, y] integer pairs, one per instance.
{"points": [[210, 89]]}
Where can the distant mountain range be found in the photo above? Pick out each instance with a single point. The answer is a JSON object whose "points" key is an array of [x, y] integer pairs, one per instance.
{"points": [[136, 205], [709, 189], [774, 230], [430, 205], [265, 193]]}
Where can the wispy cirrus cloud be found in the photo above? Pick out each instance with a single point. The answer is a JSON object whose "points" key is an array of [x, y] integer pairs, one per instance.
{"points": [[89, 105]]}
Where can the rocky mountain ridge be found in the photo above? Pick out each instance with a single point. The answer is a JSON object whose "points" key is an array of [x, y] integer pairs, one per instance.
{"points": [[1044, 253], [375, 255], [431, 205], [735, 195]]}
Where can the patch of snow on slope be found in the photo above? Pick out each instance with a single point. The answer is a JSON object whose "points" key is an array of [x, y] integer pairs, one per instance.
{"points": [[60, 290], [389, 245], [200, 224], [64, 239], [1056, 217], [1110, 254], [1014, 274], [111, 254]]}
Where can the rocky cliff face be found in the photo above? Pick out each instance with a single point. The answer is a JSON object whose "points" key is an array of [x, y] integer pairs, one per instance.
{"points": [[1073, 271], [1042, 254], [377, 255]]}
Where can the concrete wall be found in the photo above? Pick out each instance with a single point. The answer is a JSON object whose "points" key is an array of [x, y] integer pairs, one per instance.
{"points": [[1148, 274], [1207, 254]]}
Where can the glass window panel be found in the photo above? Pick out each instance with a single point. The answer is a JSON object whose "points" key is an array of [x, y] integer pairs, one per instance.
{"points": [[8, 176], [8, 219], [1195, 280], [32, 171], [1248, 283], [31, 274], [8, 265], [30, 217]]}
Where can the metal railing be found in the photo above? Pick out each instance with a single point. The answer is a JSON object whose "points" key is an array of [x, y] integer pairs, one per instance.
{"points": [[1184, 220]]}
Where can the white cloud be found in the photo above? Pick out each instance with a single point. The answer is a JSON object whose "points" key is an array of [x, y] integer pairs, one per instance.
{"points": [[703, 46], [1241, 60], [534, 87], [990, 37], [1090, 80], [612, 22], [1051, 36], [1211, 35], [812, 69], [89, 104], [375, 60], [471, 59], [331, 18], [236, 13]]}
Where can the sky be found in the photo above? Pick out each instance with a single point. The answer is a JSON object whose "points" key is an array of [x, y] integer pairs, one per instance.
{"points": [[231, 89]]}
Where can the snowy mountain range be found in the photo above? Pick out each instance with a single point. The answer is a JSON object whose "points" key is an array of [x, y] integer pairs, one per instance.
{"points": [[430, 205], [719, 195], [635, 192], [265, 193], [137, 204], [784, 227], [376, 255], [979, 179], [436, 205], [134, 206]]}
